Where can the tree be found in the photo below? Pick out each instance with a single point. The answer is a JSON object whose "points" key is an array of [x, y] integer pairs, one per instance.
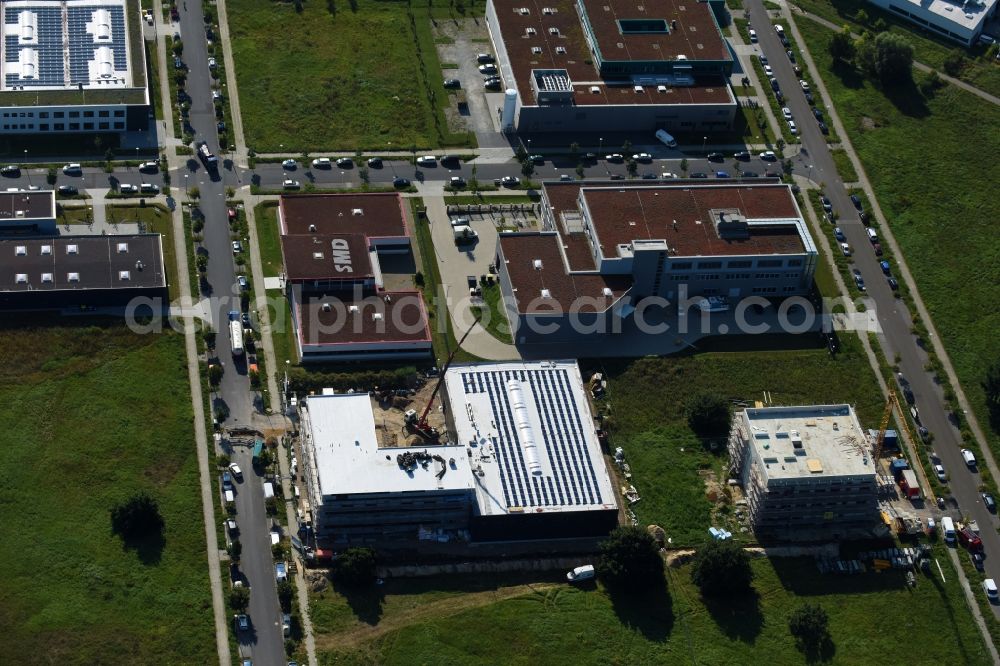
{"points": [[630, 558], [684, 166], [708, 415], [880, 25], [842, 45], [355, 567], [136, 517], [51, 177], [194, 193], [235, 550], [214, 374], [239, 599], [626, 147], [527, 168], [285, 594], [633, 168], [209, 336], [809, 625], [887, 57], [954, 62], [861, 17], [722, 568], [574, 150]]}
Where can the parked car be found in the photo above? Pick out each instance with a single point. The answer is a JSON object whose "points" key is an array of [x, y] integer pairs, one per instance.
{"points": [[128, 188], [990, 587], [856, 200], [211, 63], [790, 54], [827, 206], [970, 539], [722, 174], [492, 84], [792, 128], [846, 249], [289, 184], [345, 162], [427, 161], [289, 164], [614, 157], [715, 157], [457, 182], [237, 247], [149, 188], [586, 572], [537, 159], [817, 113], [884, 265], [978, 561], [768, 70], [769, 156], [67, 191], [375, 162], [488, 69], [878, 249], [231, 214], [786, 112], [452, 83], [742, 155], [400, 182], [11, 171], [838, 233], [809, 99], [893, 284], [73, 169], [941, 474], [484, 58], [237, 472], [823, 128], [749, 174], [322, 163], [991, 504], [227, 480], [858, 280], [753, 36], [642, 157], [242, 622], [805, 85], [242, 281], [698, 174]]}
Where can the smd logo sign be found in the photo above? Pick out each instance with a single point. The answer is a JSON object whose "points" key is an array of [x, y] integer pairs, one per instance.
{"points": [[340, 251]]}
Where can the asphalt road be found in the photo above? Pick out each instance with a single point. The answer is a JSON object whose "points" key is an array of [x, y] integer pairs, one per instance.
{"points": [[892, 316], [264, 643]]}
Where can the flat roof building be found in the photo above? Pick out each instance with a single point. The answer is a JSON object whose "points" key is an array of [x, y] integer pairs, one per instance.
{"points": [[805, 471], [28, 212], [960, 21], [523, 462], [74, 271], [612, 65], [341, 309], [605, 248], [363, 492], [72, 66], [537, 462]]}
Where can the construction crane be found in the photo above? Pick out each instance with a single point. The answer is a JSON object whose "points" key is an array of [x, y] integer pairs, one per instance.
{"points": [[891, 402], [418, 423]]}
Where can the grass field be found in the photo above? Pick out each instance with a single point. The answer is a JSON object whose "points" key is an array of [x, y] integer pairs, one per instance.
{"points": [[939, 210], [91, 413], [928, 48], [497, 325], [269, 238], [316, 80], [423, 622], [669, 463], [844, 166]]}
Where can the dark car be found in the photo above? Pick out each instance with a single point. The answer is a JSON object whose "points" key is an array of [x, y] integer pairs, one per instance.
{"points": [[649, 176], [617, 176], [220, 126], [893, 284], [775, 85], [878, 249], [858, 280], [375, 162], [699, 174], [884, 265], [452, 83], [722, 174], [345, 162], [817, 113], [779, 96], [67, 191], [715, 157], [856, 200], [809, 98], [823, 128], [750, 174], [400, 182], [245, 318], [977, 561], [790, 54], [178, 63], [863, 216], [991, 504], [827, 206], [182, 96], [11, 171], [492, 84], [742, 155]]}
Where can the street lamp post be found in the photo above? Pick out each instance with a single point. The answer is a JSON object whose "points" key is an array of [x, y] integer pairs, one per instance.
{"points": [[27, 167], [704, 142], [185, 185]]}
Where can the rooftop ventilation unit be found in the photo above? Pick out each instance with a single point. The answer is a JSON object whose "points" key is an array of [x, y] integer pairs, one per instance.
{"points": [[376, 316], [21, 250], [357, 211], [72, 249], [523, 11], [312, 227], [546, 293], [327, 307], [637, 89], [530, 31], [317, 255], [549, 11], [21, 278], [537, 263], [122, 248], [595, 90], [607, 292], [124, 275], [73, 277], [553, 31], [46, 250], [352, 308], [46, 278], [561, 49], [536, 50]]}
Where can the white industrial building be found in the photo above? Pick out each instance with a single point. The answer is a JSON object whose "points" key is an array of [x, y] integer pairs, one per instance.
{"points": [[523, 462], [72, 66], [806, 471], [958, 20]]}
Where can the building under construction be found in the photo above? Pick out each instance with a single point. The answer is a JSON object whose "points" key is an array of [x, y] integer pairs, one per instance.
{"points": [[807, 472], [524, 462]]}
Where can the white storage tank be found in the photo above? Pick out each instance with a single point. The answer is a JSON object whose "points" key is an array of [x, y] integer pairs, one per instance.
{"points": [[509, 109]]}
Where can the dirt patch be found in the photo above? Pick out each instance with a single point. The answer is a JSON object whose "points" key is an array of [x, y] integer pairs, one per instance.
{"points": [[868, 123], [389, 424], [357, 635]]}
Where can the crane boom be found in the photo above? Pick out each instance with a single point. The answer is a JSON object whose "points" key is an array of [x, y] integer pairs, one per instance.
{"points": [[422, 421]]}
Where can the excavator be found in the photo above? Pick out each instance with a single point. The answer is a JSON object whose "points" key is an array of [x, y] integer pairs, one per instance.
{"points": [[417, 423]]}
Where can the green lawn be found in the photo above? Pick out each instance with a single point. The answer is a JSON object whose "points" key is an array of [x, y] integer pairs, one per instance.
{"points": [[497, 325], [269, 238], [928, 47], [647, 417], [558, 624], [91, 413], [844, 166], [318, 80], [940, 208]]}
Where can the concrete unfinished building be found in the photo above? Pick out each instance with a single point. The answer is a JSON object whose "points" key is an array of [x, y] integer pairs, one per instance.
{"points": [[806, 472]]}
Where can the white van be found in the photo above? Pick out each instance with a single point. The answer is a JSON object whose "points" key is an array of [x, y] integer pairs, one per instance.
{"points": [[230, 497], [969, 457], [780, 30], [948, 528], [464, 233], [426, 160], [668, 141], [872, 236], [73, 170], [585, 572]]}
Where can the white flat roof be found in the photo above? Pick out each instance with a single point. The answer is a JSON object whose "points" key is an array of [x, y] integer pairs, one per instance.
{"points": [[965, 14], [532, 436], [341, 438], [815, 441]]}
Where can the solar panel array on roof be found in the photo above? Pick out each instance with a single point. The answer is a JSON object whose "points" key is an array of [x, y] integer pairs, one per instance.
{"points": [[567, 476], [35, 54]]}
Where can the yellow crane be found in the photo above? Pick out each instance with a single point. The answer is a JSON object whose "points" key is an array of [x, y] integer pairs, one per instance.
{"points": [[890, 402]]}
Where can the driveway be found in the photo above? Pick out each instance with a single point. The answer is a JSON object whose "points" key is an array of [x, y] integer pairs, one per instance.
{"points": [[456, 263]]}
